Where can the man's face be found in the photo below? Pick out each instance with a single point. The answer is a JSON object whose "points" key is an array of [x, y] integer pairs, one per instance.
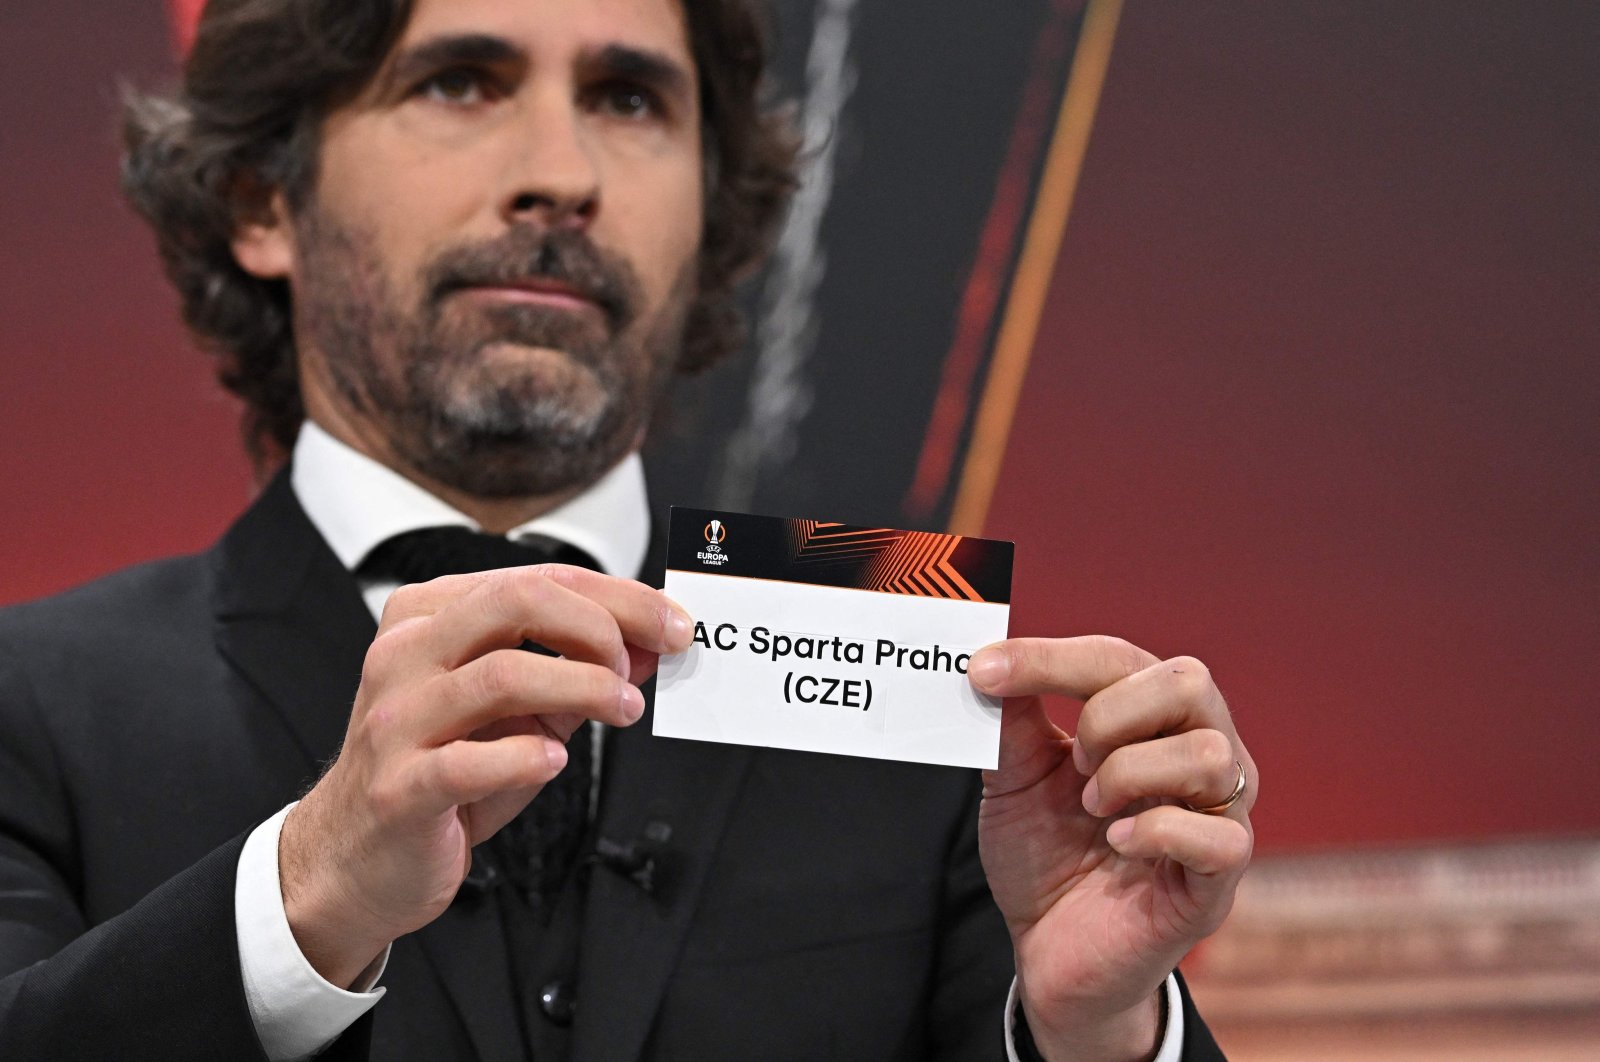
{"points": [[491, 275]]}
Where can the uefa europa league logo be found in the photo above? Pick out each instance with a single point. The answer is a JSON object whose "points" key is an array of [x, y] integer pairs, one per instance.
{"points": [[712, 556]]}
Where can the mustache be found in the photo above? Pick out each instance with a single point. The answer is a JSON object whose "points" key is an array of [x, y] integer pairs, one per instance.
{"points": [[565, 256]]}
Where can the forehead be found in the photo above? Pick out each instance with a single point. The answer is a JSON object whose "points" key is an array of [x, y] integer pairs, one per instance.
{"points": [[554, 27]]}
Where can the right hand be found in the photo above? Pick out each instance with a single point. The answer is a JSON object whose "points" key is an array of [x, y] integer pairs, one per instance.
{"points": [[454, 730]]}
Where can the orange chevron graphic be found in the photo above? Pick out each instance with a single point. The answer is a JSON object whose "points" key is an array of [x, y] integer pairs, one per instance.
{"points": [[919, 564], [814, 541], [916, 563]]}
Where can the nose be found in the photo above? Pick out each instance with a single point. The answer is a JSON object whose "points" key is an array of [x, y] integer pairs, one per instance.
{"points": [[554, 181]]}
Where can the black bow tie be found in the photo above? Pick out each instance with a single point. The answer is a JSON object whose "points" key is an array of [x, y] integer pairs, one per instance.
{"points": [[427, 553], [537, 850]]}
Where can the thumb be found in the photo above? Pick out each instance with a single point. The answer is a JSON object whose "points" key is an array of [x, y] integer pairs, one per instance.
{"points": [[1031, 747]]}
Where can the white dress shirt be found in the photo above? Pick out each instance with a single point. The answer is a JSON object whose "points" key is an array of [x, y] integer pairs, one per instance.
{"points": [[356, 504]]}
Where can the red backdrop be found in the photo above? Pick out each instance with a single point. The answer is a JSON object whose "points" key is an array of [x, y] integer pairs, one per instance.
{"points": [[1314, 398]]}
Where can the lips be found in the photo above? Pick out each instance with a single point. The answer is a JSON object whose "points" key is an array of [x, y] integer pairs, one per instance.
{"points": [[539, 289], [561, 270]]}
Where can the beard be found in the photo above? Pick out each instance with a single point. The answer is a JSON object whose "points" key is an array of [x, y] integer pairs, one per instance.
{"points": [[494, 398]]}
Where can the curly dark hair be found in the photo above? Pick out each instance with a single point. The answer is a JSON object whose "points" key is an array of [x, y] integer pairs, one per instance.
{"points": [[261, 76]]}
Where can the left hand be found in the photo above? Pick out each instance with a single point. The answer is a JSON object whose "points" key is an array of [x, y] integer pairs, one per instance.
{"points": [[1103, 875]]}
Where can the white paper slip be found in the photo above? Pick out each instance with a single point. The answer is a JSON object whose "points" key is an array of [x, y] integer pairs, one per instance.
{"points": [[833, 638]]}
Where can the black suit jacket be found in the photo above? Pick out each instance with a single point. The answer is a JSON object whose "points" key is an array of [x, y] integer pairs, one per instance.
{"points": [[807, 907]]}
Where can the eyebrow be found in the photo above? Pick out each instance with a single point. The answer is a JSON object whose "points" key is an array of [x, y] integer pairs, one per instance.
{"points": [[655, 69], [459, 49]]}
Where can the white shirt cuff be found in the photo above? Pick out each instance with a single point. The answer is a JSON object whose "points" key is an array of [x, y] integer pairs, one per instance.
{"points": [[296, 1012], [1171, 1038]]}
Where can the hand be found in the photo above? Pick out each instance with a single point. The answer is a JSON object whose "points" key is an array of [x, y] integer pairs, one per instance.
{"points": [[1104, 877], [454, 730]]}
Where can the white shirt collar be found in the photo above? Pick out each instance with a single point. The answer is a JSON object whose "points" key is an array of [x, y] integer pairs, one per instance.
{"points": [[357, 503]]}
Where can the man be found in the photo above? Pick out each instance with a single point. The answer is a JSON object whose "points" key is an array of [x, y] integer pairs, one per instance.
{"points": [[468, 241]]}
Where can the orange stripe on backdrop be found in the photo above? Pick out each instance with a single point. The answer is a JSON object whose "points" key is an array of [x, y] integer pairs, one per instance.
{"points": [[185, 15], [1041, 247], [991, 267]]}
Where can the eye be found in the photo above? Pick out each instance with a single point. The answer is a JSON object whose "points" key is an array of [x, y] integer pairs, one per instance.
{"points": [[460, 86], [627, 100]]}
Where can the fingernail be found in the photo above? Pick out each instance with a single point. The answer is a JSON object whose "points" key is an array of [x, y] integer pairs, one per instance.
{"points": [[679, 629], [556, 753], [988, 668], [1091, 796], [632, 702], [1119, 832], [1080, 759]]}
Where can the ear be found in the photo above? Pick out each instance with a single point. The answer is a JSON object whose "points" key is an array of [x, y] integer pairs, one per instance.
{"points": [[263, 240]]}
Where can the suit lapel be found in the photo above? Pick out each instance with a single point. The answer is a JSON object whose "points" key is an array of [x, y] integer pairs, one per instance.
{"points": [[467, 945], [291, 620], [631, 938]]}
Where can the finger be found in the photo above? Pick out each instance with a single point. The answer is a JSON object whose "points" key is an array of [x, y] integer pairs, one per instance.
{"points": [[401, 648], [1168, 697], [516, 605], [416, 600], [1197, 767], [508, 682], [1031, 747], [486, 817], [467, 772], [647, 618], [575, 612], [1072, 667], [641, 664], [652, 619], [1208, 845], [475, 613], [489, 816]]}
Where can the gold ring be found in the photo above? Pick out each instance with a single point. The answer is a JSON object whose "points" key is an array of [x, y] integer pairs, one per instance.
{"points": [[1233, 797]]}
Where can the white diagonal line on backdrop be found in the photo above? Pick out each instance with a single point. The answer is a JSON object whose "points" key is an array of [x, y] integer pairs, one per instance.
{"points": [[786, 321]]}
